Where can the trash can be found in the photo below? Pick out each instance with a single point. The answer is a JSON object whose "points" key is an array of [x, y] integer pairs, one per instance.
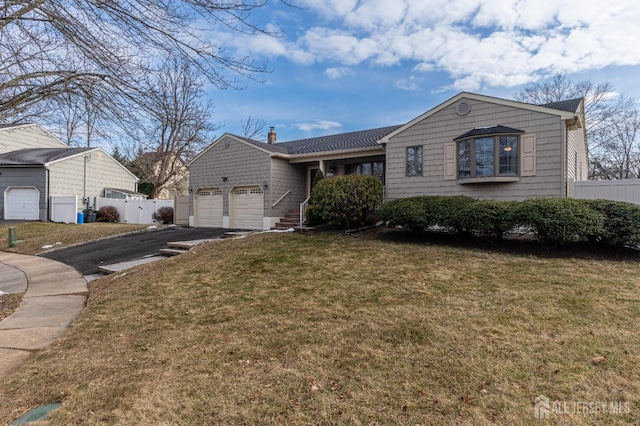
{"points": [[88, 215], [13, 239], [80, 217]]}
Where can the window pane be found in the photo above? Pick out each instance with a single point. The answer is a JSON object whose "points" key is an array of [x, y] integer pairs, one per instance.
{"points": [[484, 157], [464, 159], [414, 160], [419, 159], [508, 155], [366, 168], [378, 170]]}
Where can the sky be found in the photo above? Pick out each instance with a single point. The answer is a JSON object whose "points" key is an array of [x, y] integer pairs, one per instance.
{"points": [[346, 65]]}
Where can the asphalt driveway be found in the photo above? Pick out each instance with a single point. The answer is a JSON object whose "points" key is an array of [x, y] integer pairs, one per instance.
{"points": [[87, 257]]}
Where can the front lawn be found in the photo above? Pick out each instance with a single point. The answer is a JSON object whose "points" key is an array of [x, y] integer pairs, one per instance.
{"points": [[326, 329]]}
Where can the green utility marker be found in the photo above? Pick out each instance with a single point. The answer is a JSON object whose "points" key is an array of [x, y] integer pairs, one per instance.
{"points": [[36, 414]]}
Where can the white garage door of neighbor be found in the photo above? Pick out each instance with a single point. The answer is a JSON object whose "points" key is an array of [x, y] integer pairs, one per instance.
{"points": [[22, 204], [247, 207], [209, 208]]}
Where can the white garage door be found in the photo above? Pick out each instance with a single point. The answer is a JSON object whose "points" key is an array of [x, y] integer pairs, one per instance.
{"points": [[247, 207], [22, 204], [209, 208]]}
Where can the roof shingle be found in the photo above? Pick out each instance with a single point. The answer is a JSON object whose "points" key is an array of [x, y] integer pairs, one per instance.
{"points": [[38, 156]]}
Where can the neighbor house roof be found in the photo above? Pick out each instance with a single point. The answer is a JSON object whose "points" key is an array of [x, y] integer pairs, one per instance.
{"points": [[38, 156], [569, 105]]}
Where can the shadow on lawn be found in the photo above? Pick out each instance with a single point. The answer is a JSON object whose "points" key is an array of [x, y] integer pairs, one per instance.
{"points": [[515, 245]]}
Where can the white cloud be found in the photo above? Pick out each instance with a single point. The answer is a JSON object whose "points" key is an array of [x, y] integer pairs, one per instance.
{"points": [[479, 43], [336, 73], [325, 125], [410, 84]]}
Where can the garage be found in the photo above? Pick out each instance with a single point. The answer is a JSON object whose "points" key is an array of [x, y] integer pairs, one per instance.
{"points": [[22, 203], [209, 208], [246, 207]]}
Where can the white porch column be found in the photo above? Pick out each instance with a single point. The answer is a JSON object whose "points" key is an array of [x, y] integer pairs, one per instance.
{"points": [[321, 165]]}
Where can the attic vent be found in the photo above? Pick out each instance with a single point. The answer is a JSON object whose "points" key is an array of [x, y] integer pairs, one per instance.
{"points": [[463, 108]]}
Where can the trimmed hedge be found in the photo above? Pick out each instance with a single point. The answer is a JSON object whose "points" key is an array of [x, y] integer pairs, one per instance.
{"points": [[622, 222], [164, 215], [421, 212], [344, 201], [557, 221], [489, 218], [554, 221]]}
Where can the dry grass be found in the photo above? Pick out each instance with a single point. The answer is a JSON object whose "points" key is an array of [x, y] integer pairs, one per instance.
{"points": [[8, 304], [32, 236], [291, 329]]}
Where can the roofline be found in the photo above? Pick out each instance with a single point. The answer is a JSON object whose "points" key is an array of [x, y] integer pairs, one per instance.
{"points": [[90, 151], [474, 96], [300, 158], [35, 125], [234, 137]]}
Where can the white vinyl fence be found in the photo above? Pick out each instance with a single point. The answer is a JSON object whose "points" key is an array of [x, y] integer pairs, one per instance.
{"points": [[64, 208], [617, 190], [134, 211]]}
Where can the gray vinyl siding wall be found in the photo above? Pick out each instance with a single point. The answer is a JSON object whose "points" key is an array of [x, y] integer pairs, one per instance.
{"points": [[577, 162], [24, 177], [67, 176], [285, 177], [239, 163], [445, 125], [27, 136]]}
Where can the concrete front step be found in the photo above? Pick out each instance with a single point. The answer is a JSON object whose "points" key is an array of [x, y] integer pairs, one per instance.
{"points": [[172, 251]]}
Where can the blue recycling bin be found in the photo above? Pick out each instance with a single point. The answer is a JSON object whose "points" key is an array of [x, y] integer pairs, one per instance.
{"points": [[80, 217]]}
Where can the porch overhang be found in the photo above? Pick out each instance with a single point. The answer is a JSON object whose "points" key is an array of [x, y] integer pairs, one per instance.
{"points": [[332, 155]]}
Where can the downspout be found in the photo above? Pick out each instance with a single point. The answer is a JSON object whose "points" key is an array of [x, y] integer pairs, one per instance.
{"points": [[565, 174], [46, 192]]}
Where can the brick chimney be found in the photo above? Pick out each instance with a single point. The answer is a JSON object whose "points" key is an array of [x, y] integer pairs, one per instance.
{"points": [[271, 136]]}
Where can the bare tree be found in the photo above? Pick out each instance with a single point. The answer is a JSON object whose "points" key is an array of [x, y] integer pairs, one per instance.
{"points": [[51, 47], [253, 128], [604, 109], [175, 126], [619, 157]]}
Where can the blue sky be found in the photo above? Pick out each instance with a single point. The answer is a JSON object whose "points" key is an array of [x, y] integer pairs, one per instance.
{"points": [[345, 65]]}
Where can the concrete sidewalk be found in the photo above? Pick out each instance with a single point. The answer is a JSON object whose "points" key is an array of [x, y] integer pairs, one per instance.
{"points": [[55, 295]]}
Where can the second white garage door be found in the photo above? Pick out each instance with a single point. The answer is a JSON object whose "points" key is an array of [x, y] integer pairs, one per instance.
{"points": [[22, 204], [247, 207], [209, 208]]}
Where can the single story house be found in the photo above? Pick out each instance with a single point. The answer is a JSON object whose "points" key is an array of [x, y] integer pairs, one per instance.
{"points": [[35, 165], [474, 145]]}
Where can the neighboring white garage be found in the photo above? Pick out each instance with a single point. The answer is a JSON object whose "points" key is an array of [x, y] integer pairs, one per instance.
{"points": [[209, 208], [246, 207], [22, 203]]}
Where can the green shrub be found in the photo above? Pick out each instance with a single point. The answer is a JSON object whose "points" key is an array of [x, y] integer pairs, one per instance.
{"points": [[557, 221], [621, 224], [447, 211], [163, 215], [344, 201], [490, 218], [107, 214], [408, 212], [420, 212]]}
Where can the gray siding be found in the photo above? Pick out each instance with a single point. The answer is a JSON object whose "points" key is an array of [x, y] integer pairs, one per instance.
{"points": [[577, 162], [239, 163], [67, 176], [27, 136], [285, 177], [445, 125], [23, 177]]}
